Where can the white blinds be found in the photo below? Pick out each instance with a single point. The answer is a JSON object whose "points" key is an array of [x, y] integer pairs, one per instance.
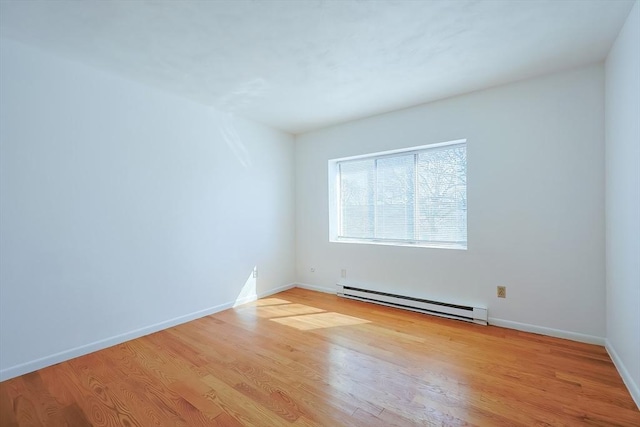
{"points": [[417, 196]]}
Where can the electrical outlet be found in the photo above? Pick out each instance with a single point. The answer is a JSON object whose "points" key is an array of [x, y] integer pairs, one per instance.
{"points": [[343, 273], [255, 273], [502, 291]]}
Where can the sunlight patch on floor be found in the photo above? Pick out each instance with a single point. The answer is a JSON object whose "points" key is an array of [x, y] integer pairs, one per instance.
{"points": [[318, 321], [270, 301], [286, 310]]}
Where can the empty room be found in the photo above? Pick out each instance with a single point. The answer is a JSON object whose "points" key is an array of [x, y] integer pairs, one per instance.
{"points": [[319, 213]]}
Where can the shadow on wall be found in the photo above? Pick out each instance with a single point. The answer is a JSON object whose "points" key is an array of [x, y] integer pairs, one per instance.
{"points": [[234, 142], [243, 96]]}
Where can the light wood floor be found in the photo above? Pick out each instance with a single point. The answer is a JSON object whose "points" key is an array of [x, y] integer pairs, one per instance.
{"points": [[303, 358]]}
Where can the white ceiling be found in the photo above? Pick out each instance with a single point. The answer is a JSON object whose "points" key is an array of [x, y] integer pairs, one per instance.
{"points": [[302, 65]]}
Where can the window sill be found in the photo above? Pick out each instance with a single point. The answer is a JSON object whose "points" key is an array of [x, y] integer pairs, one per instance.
{"points": [[456, 246]]}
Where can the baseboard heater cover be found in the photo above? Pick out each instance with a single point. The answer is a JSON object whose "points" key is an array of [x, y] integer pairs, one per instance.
{"points": [[436, 308]]}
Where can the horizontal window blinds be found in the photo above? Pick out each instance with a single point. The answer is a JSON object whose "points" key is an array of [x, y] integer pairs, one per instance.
{"points": [[418, 196]]}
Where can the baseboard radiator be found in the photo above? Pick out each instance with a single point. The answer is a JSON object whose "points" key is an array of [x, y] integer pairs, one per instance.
{"points": [[436, 308]]}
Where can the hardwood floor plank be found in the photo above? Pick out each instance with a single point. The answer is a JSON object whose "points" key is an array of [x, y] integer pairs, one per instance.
{"points": [[73, 416], [258, 371], [302, 358], [48, 409], [143, 390], [7, 407], [194, 392], [24, 408], [269, 358]]}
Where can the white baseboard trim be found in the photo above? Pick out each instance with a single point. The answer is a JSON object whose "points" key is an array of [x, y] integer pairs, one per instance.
{"points": [[633, 388], [43, 362], [316, 288], [558, 333]]}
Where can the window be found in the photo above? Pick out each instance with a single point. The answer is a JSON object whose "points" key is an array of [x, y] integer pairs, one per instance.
{"points": [[410, 197]]}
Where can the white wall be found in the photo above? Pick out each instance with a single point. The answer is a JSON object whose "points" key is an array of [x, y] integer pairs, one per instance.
{"points": [[623, 201], [123, 207], [535, 204]]}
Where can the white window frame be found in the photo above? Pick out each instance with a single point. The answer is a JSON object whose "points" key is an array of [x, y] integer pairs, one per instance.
{"points": [[334, 200]]}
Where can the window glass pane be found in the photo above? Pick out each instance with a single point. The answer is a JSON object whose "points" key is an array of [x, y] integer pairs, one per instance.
{"points": [[356, 193], [417, 196], [395, 197], [442, 195]]}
